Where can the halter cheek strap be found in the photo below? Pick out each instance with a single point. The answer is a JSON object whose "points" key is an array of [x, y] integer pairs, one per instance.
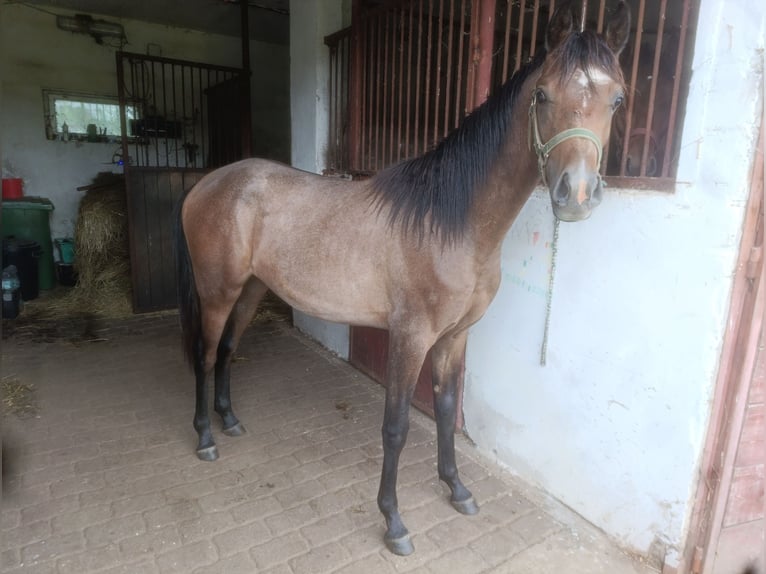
{"points": [[543, 150]]}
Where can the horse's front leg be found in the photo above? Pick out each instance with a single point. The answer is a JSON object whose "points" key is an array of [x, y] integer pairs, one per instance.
{"points": [[405, 358], [447, 368]]}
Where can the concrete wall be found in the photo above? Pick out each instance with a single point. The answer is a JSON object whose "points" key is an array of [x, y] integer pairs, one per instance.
{"points": [[310, 22], [35, 54]]}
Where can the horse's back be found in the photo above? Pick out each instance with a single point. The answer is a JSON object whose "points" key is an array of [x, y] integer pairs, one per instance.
{"points": [[318, 242]]}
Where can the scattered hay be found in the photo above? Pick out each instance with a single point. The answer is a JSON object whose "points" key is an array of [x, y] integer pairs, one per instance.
{"points": [[272, 308], [18, 398]]}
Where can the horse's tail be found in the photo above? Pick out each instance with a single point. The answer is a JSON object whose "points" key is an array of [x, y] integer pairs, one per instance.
{"points": [[188, 298]]}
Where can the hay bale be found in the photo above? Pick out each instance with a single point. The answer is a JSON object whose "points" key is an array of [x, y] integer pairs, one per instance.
{"points": [[102, 259]]}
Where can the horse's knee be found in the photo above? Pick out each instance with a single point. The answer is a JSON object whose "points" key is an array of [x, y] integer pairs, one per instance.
{"points": [[445, 400], [395, 434]]}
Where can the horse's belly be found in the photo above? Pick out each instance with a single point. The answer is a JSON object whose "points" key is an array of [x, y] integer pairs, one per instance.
{"points": [[332, 296]]}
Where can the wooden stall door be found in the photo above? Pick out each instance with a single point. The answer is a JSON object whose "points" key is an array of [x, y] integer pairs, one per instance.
{"points": [[153, 193]]}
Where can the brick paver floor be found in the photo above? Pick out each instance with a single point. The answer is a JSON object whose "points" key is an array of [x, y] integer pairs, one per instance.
{"points": [[103, 476]]}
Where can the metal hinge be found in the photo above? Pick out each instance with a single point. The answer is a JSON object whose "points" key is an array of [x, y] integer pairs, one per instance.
{"points": [[697, 560], [754, 262]]}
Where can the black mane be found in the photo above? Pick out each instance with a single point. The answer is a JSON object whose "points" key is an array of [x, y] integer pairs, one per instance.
{"points": [[441, 183]]}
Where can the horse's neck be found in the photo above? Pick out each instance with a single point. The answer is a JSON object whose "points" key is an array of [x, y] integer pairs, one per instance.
{"points": [[510, 183]]}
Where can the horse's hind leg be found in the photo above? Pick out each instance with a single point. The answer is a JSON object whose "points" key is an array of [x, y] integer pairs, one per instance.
{"points": [[215, 312], [239, 318], [446, 360]]}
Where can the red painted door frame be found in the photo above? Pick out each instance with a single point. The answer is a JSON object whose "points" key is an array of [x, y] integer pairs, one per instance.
{"points": [[740, 356]]}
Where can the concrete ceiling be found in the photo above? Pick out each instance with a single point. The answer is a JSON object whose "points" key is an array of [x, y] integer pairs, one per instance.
{"points": [[269, 19]]}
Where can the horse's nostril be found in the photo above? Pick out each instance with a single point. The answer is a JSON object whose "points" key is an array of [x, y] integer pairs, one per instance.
{"points": [[563, 190]]}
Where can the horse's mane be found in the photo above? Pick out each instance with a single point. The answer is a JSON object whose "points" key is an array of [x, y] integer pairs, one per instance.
{"points": [[441, 183]]}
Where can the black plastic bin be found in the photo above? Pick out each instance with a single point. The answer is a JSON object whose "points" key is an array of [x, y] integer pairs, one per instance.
{"points": [[24, 254]]}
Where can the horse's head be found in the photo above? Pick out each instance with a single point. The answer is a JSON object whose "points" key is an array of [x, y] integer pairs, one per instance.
{"points": [[579, 88]]}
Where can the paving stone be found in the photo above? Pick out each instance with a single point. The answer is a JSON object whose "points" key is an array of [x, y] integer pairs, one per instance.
{"points": [[9, 559], [361, 542], [464, 560], [278, 550], [90, 560], [498, 546], [114, 530], [238, 564], [535, 526], [326, 529], [171, 514], [187, 558], [291, 519], [320, 559], [80, 519], [52, 547], [157, 541], [140, 567], [205, 526], [372, 564], [241, 538], [137, 503], [459, 530], [48, 508]]}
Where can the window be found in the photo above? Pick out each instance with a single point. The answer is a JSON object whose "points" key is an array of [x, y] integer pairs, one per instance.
{"points": [[83, 117]]}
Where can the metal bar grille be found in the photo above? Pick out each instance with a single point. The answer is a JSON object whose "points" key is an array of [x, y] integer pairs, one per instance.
{"points": [[420, 77], [189, 114]]}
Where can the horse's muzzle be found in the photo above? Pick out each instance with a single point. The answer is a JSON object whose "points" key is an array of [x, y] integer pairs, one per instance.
{"points": [[576, 194]]}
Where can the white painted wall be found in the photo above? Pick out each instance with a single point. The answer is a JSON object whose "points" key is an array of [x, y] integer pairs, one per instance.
{"points": [[310, 22], [34, 54], [614, 425]]}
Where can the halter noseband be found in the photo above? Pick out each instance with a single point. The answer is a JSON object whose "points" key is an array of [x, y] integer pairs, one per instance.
{"points": [[543, 150]]}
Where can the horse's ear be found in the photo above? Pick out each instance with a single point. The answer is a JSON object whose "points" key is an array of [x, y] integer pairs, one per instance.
{"points": [[618, 29], [560, 26]]}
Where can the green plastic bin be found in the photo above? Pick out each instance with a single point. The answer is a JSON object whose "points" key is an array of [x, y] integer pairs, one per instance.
{"points": [[29, 218]]}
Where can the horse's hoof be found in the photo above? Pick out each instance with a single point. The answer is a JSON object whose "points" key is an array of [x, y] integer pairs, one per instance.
{"points": [[208, 454], [467, 506], [235, 430], [401, 546]]}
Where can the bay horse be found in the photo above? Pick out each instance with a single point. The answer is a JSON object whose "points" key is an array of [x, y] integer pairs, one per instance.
{"points": [[415, 249]]}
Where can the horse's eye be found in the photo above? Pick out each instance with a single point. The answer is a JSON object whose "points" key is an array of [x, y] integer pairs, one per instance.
{"points": [[618, 101], [540, 96]]}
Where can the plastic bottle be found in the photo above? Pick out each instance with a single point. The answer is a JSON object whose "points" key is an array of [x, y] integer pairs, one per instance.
{"points": [[11, 292]]}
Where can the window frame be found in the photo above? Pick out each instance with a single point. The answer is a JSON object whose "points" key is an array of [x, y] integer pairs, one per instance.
{"points": [[53, 130]]}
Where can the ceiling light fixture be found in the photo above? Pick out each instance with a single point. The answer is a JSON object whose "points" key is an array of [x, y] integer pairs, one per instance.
{"points": [[85, 24]]}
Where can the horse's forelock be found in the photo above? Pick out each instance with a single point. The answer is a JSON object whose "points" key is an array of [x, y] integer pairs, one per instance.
{"points": [[586, 51]]}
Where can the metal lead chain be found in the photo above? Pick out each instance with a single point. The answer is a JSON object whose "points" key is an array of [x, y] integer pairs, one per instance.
{"points": [[549, 302]]}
